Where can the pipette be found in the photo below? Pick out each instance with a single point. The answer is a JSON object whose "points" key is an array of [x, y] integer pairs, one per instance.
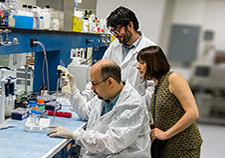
{"points": [[57, 89]]}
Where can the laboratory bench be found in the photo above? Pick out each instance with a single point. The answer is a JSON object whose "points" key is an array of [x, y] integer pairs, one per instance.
{"points": [[16, 142]]}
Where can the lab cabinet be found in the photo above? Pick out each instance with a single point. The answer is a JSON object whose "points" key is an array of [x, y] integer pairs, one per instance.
{"points": [[70, 150], [58, 45]]}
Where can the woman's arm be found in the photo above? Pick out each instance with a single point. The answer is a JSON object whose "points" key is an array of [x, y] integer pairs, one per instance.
{"points": [[180, 88]]}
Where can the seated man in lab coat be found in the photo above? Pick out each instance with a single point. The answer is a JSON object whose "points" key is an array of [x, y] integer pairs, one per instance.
{"points": [[118, 123], [124, 25]]}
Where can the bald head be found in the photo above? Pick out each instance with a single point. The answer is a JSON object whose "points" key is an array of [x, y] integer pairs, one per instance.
{"points": [[107, 68]]}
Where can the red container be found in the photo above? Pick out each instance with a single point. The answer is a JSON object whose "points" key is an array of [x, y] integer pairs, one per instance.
{"points": [[59, 114]]}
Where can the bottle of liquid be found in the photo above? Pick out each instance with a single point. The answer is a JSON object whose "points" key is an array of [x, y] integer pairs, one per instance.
{"points": [[24, 18], [33, 116], [55, 24], [46, 17], [11, 21], [41, 26], [24, 7], [37, 118], [36, 22], [29, 8], [41, 105], [31, 104], [43, 90]]}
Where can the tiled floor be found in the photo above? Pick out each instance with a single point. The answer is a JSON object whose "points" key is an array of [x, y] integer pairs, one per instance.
{"points": [[213, 141]]}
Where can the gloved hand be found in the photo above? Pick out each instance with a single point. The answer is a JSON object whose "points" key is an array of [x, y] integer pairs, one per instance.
{"points": [[59, 131], [71, 81]]}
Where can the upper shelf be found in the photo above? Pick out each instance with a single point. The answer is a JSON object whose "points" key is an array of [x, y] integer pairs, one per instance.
{"points": [[53, 40]]}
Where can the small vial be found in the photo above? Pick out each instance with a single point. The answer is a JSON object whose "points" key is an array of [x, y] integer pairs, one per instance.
{"points": [[38, 113], [33, 116]]}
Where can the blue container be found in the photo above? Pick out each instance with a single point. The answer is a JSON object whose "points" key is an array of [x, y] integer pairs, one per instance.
{"points": [[23, 22]]}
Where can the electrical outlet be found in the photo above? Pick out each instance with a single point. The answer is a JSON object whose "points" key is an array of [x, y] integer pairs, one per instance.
{"points": [[31, 42], [87, 41]]}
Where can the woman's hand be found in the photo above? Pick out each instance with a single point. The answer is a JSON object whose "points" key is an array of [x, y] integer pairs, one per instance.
{"points": [[159, 134]]}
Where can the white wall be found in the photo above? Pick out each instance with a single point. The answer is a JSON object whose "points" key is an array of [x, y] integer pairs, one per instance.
{"points": [[155, 21], [145, 10], [214, 20], [189, 12]]}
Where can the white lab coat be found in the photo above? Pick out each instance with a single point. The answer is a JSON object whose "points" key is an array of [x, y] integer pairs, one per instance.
{"points": [[123, 132], [128, 69]]}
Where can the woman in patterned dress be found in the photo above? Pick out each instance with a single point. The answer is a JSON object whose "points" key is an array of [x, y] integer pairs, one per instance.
{"points": [[173, 107]]}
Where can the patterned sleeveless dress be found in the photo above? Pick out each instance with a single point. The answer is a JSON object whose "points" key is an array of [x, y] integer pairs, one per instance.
{"points": [[168, 111]]}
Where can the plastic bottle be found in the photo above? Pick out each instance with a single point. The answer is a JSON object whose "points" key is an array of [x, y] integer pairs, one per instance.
{"points": [[41, 26], [36, 22], [31, 105], [85, 24], [75, 8], [11, 21], [46, 16], [24, 7], [24, 19], [29, 8], [41, 105], [37, 118], [33, 116], [55, 24]]}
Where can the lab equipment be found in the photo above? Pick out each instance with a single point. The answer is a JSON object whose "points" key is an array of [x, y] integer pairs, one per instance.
{"points": [[53, 105], [66, 88], [41, 127], [7, 94], [84, 75], [20, 113], [207, 83], [47, 98], [59, 71]]}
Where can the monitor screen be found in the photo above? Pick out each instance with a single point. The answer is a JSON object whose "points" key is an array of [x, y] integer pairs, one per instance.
{"points": [[202, 71]]}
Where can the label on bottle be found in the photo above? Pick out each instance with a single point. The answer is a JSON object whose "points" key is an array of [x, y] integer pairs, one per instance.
{"points": [[44, 92]]}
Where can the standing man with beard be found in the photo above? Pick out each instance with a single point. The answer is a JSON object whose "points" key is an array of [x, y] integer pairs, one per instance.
{"points": [[118, 123], [124, 25]]}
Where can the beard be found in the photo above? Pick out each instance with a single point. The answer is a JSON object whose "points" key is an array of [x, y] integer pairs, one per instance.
{"points": [[126, 37], [99, 96]]}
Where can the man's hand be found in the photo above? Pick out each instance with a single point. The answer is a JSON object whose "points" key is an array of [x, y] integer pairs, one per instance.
{"points": [[65, 81], [59, 131]]}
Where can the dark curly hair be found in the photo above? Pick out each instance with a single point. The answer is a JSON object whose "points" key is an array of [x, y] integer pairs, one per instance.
{"points": [[122, 16]]}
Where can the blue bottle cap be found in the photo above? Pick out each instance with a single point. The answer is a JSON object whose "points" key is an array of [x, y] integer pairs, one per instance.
{"points": [[37, 112], [32, 102], [33, 111]]}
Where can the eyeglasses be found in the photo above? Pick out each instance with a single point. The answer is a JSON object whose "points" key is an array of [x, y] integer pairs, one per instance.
{"points": [[95, 84], [116, 31]]}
